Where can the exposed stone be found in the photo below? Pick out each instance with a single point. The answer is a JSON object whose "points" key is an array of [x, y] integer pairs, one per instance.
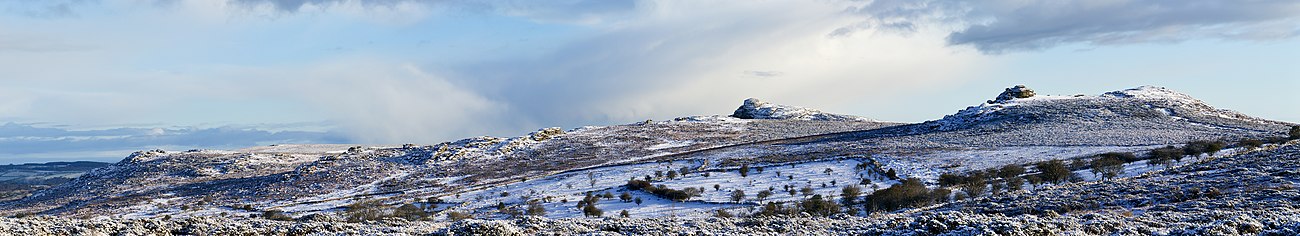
{"points": [[1019, 91]]}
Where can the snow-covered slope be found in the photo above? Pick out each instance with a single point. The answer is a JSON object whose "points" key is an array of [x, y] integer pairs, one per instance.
{"points": [[795, 148]]}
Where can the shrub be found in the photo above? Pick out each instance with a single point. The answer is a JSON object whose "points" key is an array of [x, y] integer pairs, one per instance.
{"points": [[950, 179], [457, 216], [849, 194], [910, 193], [1126, 157], [774, 209], [409, 212], [720, 213], [535, 209], [1011, 171], [1107, 167], [975, 184], [591, 211], [1164, 155], [637, 200], [364, 211], [816, 205], [762, 195], [1250, 143], [1295, 132], [737, 195], [625, 197], [1203, 147], [744, 170], [1053, 171], [661, 191], [624, 214]]}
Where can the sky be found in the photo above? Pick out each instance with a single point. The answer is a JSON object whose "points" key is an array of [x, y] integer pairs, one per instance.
{"points": [[98, 79]]}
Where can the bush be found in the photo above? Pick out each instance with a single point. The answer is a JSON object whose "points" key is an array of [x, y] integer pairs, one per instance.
{"points": [[457, 216], [535, 209], [1250, 143], [910, 193], [975, 184], [1203, 147], [744, 170], [591, 211], [737, 195], [1126, 157], [816, 205], [410, 212], [774, 209], [1011, 171], [1164, 155], [625, 197], [1053, 171], [624, 214], [720, 213], [849, 194], [1107, 167], [1295, 132], [661, 191], [366, 210], [762, 195]]}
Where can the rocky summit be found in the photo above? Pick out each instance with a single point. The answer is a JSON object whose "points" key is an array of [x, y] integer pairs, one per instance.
{"points": [[1139, 161]]}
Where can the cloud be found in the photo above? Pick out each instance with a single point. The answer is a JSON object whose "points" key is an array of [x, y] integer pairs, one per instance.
{"points": [[36, 143], [997, 26]]}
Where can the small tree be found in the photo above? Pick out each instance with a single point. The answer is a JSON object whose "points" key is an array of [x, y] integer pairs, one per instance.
{"points": [[624, 214], [816, 205], [717, 187], [608, 195], [535, 209], [637, 200], [1203, 147], [1250, 143], [806, 191], [828, 171], [457, 216], [744, 170], [409, 212], [849, 194], [672, 174], [1053, 171], [720, 213], [1010, 171], [1107, 167], [762, 195], [975, 184], [1165, 156], [591, 211], [737, 195], [625, 197], [364, 211]]}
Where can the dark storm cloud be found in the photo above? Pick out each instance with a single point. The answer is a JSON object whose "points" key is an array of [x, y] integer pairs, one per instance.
{"points": [[997, 26]]}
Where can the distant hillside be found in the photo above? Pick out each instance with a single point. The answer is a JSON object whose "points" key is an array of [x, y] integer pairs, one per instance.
{"points": [[763, 159], [18, 180]]}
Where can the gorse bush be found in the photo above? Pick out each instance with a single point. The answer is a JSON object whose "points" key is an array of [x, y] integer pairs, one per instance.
{"points": [[1203, 147], [1053, 171], [661, 191], [910, 193]]}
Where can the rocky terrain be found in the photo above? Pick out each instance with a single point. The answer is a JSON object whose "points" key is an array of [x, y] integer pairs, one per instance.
{"points": [[295, 189]]}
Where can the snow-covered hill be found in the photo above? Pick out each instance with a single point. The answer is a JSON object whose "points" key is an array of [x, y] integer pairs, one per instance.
{"points": [[760, 147]]}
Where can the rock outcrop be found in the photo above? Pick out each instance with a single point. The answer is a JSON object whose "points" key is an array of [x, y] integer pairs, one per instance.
{"points": [[1019, 91], [756, 109]]}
